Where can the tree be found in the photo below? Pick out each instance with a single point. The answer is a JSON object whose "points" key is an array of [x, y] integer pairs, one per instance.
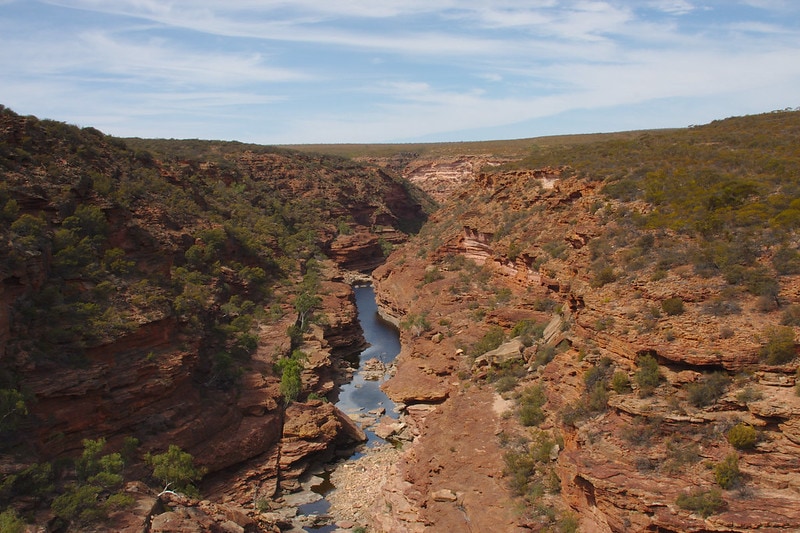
{"points": [[304, 304], [93, 496], [291, 369], [175, 469]]}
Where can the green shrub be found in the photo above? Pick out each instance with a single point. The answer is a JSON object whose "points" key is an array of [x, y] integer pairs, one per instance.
{"points": [[12, 409], [708, 390], [727, 472], [530, 405], [10, 522], [432, 275], [291, 369], [797, 382], [604, 276], [742, 436], [648, 376], [568, 523], [749, 394], [529, 469], [505, 383], [779, 347], [672, 306], [528, 331], [598, 397], [416, 324], [641, 431], [544, 355], [703, 502], [620, 382], [491, 340], [680, 454], [791, 316], [79, 503], [786, 261], [722, 307], [596, 374]]}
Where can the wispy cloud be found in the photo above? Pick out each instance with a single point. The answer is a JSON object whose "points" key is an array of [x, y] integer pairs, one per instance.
{"points": [[288, 71]]}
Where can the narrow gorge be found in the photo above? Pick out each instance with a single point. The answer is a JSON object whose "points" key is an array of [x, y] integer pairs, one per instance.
{"points": [[595, 335]]}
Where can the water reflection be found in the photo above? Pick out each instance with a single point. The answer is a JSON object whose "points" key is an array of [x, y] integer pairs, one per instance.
{"points": [[361, 395], [384, 344]]}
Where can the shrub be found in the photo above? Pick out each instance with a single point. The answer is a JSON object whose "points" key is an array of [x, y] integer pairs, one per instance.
{"points": [[432, 275], [727, 472], [604, 276], [12, 409], [528, 331], [703, 502], [786, 261], [528, 468], [779, 347], [596, 374], [544, 355], [680, 454], [722, 307], [648, 376], [742, 436], [672, 306], [10, 522], [79, 502], [797, 382], [708, 390], [791, 316], [568, 523], [598, 397], [505, 384], [290, 369], [491, 340], [530, 406], [641, 431], [416, 324], [620, 382], [749, 394]]}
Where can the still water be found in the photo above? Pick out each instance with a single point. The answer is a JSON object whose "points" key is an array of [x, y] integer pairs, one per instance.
{"points": [[383, 344], [361, 395]]}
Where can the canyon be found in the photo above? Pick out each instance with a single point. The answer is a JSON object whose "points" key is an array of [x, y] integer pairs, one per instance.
{"points": [[550, 427]]}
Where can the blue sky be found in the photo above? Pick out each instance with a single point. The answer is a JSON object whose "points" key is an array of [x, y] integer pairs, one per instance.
{"points": [[307, 71]]}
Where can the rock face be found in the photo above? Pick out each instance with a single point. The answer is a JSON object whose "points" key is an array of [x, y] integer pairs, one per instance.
{"points": [[311, 432], [151, 299], [620, 468]]}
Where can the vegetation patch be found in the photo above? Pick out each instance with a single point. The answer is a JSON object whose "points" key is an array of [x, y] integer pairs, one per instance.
{"points": [[742, 436], [647, 376], [708, 390], [727, 473], [704, 502], [779, 345]]}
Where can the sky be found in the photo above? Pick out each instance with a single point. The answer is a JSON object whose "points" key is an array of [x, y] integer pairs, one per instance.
{"points": [[369, 71]]}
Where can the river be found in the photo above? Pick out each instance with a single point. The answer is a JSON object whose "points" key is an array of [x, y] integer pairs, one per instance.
{"points": [[361, 395]]}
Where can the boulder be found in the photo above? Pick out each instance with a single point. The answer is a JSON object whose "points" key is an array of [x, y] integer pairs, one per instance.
{"points": [[503, 355]]}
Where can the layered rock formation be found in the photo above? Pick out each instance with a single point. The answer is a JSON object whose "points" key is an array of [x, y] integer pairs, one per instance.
{"points": [[621, 468], [152, 298]]}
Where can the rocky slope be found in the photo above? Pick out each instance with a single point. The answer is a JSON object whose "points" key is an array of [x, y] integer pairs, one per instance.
{"points": [[151, 298], [688, 348]]}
